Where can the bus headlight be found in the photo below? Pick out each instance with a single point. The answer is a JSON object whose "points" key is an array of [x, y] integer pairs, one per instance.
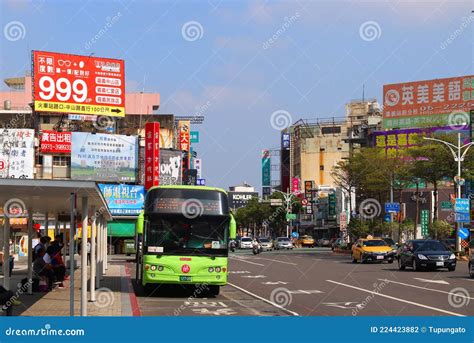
{"points": [[210, 269], [218, 269], [160, 268], [153, 267], [147, 266]]}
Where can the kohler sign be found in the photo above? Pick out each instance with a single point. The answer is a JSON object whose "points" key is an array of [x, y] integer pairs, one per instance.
{"points": [[240, 199]]}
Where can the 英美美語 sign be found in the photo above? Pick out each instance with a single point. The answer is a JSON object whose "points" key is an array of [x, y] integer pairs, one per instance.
{"points": [[64, 83]]}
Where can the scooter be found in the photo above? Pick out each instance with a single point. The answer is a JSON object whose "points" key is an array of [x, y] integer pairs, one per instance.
{"points": [[232, 246], [256, 248]]}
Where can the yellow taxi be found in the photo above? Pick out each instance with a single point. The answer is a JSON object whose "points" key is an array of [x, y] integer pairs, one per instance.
{"points": [[306, 241], [372, 249]]}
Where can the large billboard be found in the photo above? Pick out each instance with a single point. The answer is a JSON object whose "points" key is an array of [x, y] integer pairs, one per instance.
{"points": [[64, 83], [170, 167], [439, 102], [17, 153], [152, 154], [55, 142], [103, 157], [123, 200], [392, 140]]}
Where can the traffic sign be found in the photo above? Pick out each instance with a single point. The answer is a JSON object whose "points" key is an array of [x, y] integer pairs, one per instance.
{"points": [[392, 207], [463, 232], [461, 205], [294, 234], [387, 218], [290, 216], [304, 202], [462, 217], [425, 218], [200, 182], [446, 206]]}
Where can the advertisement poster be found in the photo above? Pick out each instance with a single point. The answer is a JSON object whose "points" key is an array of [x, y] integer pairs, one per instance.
{"points": [[266, 168], [152, 154], [430, 102], [55, 142], [393, 140], [103, 157], [123, 200], [17, 153], [170, 167], [64, 83]]}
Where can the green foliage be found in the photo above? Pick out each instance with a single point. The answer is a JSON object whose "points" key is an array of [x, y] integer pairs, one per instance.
{"points": [[440, 229]]}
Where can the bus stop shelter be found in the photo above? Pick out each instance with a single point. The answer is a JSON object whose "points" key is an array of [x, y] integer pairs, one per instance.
{"points": [[79, 199]]}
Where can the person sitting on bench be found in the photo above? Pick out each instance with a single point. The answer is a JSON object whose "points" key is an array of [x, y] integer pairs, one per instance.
{"points": [[41, 268]]}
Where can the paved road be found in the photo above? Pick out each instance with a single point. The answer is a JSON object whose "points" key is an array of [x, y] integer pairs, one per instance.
{"points": [[319, 283]]}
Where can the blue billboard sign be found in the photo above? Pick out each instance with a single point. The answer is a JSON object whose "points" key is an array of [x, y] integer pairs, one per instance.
{"points": [[123, 200], [392, 207], [194, 136]]}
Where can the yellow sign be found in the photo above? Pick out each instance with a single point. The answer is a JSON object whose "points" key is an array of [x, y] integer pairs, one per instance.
{"points": [[49, 106]]}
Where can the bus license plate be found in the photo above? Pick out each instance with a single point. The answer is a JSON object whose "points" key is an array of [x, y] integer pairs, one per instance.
{"points": [[184, 278]]}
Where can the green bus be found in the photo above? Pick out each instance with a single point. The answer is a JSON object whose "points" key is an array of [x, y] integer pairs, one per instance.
{"points": [[183, 237]]}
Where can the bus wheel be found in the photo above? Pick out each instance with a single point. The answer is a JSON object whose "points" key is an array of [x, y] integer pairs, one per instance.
{"points": [[214, 289]]}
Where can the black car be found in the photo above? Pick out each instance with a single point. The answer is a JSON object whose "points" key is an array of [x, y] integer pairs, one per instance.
{"points": [[426, 253]]}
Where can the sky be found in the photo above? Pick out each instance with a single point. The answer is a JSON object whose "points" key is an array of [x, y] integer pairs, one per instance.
{"points": [[250, 67]]}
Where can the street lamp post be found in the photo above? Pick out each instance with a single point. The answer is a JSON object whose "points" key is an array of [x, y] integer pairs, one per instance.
{"points": [[287, 196], [458, 152]]}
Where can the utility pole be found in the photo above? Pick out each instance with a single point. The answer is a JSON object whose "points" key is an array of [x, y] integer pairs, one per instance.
{"points": [[458, 152], [288, 196]]}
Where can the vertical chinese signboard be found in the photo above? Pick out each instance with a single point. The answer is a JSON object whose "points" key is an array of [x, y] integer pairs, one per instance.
{"points": [[295, 185], [439, 102], [184, 141], [425, 219], [55, 142], [266, 174], [65, 83], [152, 155], [266, 168], [308, 194], [17, 149]]}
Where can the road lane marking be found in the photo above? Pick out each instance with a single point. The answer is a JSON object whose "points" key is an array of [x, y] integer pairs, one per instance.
{"points": [[257, 264], [427, 289], [398, 299], [302, 291], [254, 276], [263, 299], [268, 259], [440, 282], [274, 283]]}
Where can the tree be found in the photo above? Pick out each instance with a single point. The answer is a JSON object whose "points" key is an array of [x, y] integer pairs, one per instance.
{"points": [[440, 229]]}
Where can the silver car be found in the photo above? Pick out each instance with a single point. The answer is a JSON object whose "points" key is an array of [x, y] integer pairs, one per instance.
{"points": [[283, 243], [266, 244], [245, 243]]}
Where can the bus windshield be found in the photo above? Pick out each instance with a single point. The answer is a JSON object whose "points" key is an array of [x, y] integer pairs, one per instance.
{"points": [[178, 235]]}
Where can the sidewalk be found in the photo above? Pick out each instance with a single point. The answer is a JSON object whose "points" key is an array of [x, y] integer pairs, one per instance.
{"points": [[113, 298]]}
